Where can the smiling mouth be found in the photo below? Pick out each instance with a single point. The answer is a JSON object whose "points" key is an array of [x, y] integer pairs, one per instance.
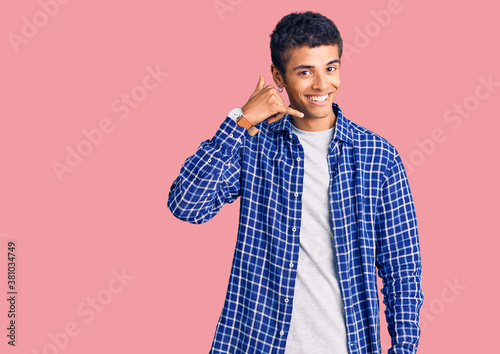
{"points": [[318, 99]]}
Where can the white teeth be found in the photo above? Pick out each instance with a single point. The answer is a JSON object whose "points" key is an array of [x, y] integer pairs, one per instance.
{"points": [[318, 98]]}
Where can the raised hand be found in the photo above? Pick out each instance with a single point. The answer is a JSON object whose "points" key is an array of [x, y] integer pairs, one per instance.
{"points": [[266, 102]]}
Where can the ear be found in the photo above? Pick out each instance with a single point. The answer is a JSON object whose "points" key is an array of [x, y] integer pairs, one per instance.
{"points": [[277, 77]]}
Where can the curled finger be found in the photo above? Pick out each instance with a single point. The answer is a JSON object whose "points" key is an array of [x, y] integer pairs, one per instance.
{"points": [[275, 117]]}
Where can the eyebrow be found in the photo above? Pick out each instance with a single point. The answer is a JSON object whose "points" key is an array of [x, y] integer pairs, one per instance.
{"points": [[311, 66]]}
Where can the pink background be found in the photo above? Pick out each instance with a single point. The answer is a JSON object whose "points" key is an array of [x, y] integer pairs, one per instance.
{"points": [[108, 215]]}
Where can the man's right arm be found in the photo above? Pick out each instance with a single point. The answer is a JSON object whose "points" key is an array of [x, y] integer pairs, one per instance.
{"points": [[210, 177]]}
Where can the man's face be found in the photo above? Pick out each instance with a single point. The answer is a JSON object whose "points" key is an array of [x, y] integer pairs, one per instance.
{"points": [[312, 80]]}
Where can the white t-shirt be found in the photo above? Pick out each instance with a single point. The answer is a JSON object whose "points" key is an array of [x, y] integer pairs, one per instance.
{"points": [[318, 323]]}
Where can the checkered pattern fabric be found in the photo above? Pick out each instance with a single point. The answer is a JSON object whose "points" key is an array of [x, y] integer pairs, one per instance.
{"points": [[373, 221]]}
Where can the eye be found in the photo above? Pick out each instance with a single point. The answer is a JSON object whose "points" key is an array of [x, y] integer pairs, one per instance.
{"points": [[304, 72], [331, 68]]}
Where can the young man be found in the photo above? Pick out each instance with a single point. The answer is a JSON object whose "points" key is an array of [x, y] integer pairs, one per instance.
{"points": [[324, 204]]}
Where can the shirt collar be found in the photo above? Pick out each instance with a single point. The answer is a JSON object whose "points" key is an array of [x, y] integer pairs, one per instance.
{"points": [[342, 131]]}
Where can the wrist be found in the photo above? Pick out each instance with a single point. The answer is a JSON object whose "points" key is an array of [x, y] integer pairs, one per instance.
{"points": [[244, 122], [239, 117], [247, 115]]}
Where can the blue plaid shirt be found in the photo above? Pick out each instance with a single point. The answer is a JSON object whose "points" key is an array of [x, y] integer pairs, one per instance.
{"points": [[373, 222]]}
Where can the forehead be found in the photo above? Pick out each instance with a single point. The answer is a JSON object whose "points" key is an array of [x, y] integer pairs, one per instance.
{"points": [[315, 56]]}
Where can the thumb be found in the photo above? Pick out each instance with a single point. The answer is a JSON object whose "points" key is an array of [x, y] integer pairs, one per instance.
{"points": [[261, 83]]}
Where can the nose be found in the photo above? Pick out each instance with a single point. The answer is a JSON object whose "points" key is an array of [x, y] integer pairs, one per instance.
{"points": [[320, 83]]}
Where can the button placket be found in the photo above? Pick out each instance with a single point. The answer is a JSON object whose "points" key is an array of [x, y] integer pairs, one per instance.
{"points": [[295, 192]]}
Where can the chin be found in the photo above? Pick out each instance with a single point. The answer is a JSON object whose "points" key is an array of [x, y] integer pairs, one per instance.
{"points": [[319, 115]]}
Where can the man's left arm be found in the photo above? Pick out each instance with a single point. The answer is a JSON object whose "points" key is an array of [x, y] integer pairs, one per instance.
{"points": [[398, 260]]}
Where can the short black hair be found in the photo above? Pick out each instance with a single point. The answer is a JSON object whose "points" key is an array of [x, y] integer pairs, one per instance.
{"points": [[302, 29]]}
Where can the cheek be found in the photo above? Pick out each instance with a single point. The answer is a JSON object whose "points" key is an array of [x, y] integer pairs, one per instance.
{"points": [[296, 85], [336, 81]]}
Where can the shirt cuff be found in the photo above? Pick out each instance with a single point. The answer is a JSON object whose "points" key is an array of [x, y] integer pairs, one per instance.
{"points": [[230, 135]]}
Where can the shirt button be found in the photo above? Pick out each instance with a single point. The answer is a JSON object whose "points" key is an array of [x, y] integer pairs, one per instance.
{"points": [[209, 160], [286, 300], [291, 265], [298, 158], [290, 136], [296, 194], [294, 229], [282, 333], [231, 135]]}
